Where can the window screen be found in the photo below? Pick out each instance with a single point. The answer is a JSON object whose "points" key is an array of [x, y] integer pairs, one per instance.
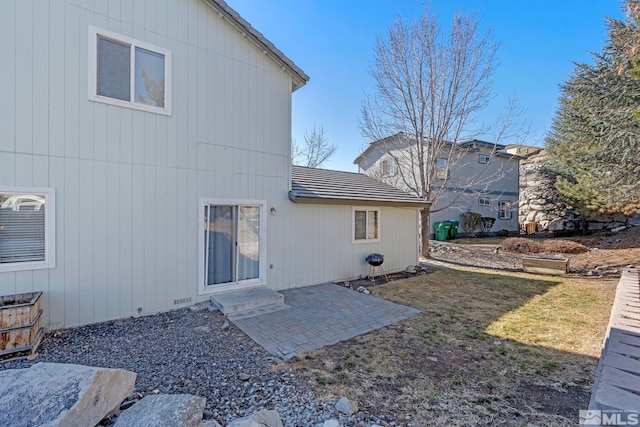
{"points": [[360, 225], [114, 69]]}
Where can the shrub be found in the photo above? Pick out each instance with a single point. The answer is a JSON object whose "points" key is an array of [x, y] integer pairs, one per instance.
{"points": [[469, 222], [486, 222]]}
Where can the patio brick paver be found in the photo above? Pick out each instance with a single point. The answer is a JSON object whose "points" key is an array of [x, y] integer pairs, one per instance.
{"points": [[320, 315]]}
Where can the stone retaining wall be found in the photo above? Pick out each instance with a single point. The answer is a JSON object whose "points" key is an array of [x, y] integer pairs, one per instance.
{"points": [[540, 204]]}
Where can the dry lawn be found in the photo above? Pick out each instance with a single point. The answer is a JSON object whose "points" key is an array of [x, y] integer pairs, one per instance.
{"points": [[489, 348]]}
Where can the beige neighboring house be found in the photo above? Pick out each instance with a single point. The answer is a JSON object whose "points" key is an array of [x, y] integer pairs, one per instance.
{"points": [[145, 165], [480, 177], [522, 150]]}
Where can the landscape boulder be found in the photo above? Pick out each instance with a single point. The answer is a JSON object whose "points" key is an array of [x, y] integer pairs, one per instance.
{"points": [[262, 418], [58, 394], [164, 410], [346, 406]]}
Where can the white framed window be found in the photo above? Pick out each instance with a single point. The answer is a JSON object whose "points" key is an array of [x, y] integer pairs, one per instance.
{"points": [[442, 168], [128, 72], [484, 201], [27, 228], [232, 244], [504, 210], [366, 225], [484, 158], [389, 167]]}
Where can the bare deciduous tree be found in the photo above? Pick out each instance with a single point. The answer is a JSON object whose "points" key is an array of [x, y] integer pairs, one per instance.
{"points": [[315, 151], [429, 87]]}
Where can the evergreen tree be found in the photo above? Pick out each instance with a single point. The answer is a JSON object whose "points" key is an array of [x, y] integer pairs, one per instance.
{"points": [[594, 143]]}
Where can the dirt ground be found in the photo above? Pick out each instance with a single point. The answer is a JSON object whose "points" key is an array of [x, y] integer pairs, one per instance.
{"points": [[608, 252]]}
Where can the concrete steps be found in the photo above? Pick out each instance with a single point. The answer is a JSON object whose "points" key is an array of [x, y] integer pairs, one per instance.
{"points": [[249, 302]]}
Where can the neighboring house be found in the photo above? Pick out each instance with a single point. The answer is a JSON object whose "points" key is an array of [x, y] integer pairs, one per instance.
{"points": [[145, 164], [522, 150], [479, 176]]}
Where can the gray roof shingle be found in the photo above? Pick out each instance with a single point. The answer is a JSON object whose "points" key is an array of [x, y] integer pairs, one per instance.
{"points": [[313, 185]]}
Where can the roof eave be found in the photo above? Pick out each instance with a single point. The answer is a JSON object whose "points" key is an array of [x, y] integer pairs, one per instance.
{"points": [[299, 77], [375, 144], [508, 155], [481, 142], [297, 198]]}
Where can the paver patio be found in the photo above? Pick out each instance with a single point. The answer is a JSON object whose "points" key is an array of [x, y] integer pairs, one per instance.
{"points": [[320, 315]]}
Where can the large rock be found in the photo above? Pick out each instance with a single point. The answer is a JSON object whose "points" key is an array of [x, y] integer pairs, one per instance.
{"points": [[58, 394], [346, 406], [634, 220], [619, 225], [164, 410], [537, 207], [556, 225], [262, 418]]}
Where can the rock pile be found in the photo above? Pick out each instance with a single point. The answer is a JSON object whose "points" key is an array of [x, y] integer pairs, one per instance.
{"points": [[540, 203], [539, 200], [58, 394]]}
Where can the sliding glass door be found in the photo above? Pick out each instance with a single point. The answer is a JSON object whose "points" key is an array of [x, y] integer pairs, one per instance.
{"points": [[232, 247]]}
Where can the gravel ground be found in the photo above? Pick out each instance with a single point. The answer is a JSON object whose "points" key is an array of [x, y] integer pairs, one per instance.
{"points": [[476, 255], [607, 251], [186, 351]]}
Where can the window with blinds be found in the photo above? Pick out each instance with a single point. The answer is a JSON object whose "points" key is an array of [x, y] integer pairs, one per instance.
{"points": [[24, 227]]}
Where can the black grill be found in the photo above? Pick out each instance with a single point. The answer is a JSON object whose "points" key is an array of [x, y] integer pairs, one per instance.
{"points": [[375, 259]]}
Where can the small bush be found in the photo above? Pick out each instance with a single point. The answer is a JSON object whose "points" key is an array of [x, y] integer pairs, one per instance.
{"points": [[486, 222], [528, 246], [469, 222]]}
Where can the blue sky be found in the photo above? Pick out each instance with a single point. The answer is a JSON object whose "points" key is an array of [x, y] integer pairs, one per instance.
{"points": [[332, 41]]}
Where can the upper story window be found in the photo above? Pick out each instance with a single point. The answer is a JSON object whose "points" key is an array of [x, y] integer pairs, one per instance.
{"points": [[366, 226], [484, 158], [128, 72], [442, 169], [484, 201], [504, 210], [27, 228], [389, 167]]}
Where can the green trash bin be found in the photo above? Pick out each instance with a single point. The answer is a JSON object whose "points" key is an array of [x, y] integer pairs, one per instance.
{"points": [[442, 230], [453, 232]]}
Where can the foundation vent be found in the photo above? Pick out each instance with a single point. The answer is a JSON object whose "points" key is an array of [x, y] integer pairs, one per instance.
{"points": [[181, 301]]}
